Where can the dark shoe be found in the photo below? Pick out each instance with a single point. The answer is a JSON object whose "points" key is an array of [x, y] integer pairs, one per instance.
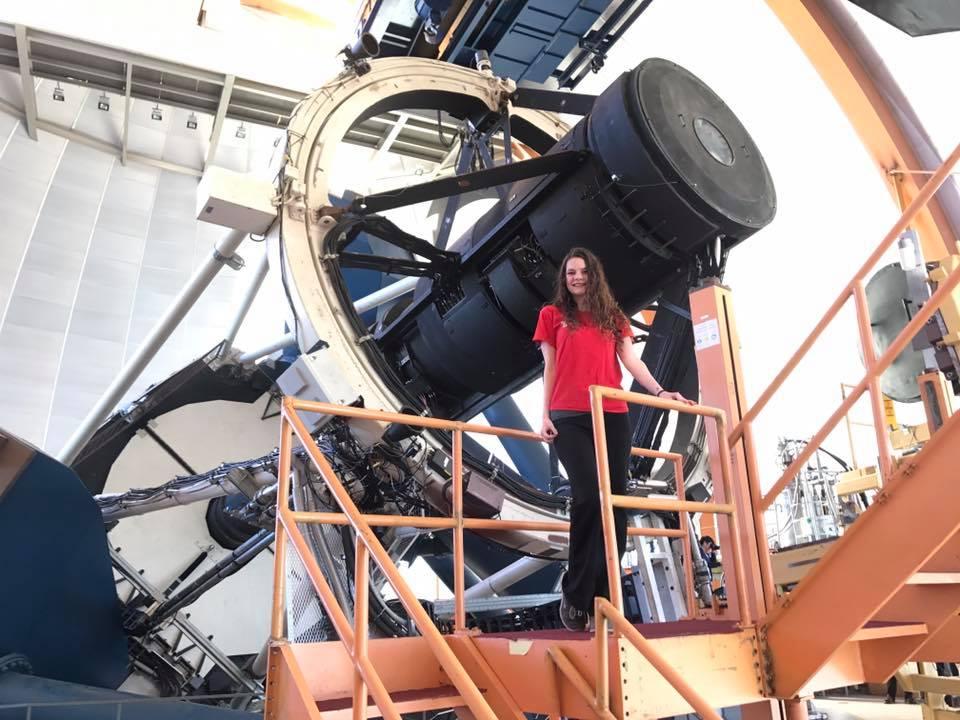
{"points": [[889, 701], [572, 619]]}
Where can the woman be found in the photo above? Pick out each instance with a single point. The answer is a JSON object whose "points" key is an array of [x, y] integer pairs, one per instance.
{"points": [[581, 335]]}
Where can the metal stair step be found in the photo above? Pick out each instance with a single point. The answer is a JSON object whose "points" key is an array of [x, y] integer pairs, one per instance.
{"points": [[406, 701], [878, 630], [934, 578]]}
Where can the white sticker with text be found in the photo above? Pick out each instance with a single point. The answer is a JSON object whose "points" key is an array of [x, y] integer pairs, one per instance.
{"points": [[706, 334]]}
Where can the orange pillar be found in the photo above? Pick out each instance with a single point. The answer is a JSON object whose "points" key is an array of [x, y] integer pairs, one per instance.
{"points": [[763, 710], [721, 385], [796, 709]]}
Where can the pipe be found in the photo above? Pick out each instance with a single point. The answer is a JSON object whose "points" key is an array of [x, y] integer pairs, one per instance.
{"points": [[259, 273], [282, 343], [385, 294], [503, 579], [222, 254], [369, 302], [258, 668]]}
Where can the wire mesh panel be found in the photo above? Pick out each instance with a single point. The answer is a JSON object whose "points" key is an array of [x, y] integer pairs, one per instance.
{"points": [[306, 620]]}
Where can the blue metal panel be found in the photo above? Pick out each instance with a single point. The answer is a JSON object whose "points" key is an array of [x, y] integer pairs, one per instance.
{"points": [[59, 600], [580, 21], [541, 35], [560, 7], [508, 68]]}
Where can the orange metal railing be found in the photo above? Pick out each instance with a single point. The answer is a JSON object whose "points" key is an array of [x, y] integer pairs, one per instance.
{"points": [[369, 547], [684, 532], [871, 379], [609, 501]]}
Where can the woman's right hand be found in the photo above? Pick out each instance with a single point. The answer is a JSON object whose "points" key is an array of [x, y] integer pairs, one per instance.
{"points": [[548, 432]]}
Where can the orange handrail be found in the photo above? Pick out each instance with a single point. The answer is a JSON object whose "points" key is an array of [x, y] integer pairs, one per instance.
{"points": [[873, 371], [870, 382], [929, 189], [468, 690], [354, 637], [608, 500]]}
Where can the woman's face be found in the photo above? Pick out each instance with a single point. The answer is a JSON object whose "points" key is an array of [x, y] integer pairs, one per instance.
{"points": [[577, 276]]}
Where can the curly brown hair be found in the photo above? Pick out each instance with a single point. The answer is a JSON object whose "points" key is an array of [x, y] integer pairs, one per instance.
{"points": [[601, 304]]}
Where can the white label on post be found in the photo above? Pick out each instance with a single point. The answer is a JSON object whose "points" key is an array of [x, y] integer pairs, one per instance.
{"points": [[706, 334]]}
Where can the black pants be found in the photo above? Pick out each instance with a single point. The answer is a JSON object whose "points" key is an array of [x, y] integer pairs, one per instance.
{"points": [[586, 575], [892, 691]]}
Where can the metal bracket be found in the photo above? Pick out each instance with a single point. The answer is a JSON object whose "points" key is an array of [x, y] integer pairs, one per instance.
{"points": [[296, 207], [235, 262], [243, 480]]}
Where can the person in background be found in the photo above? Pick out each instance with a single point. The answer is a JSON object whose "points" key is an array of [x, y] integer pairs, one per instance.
{"points": [[892, 691], [948, 669], [584, 336], [708, 549]]}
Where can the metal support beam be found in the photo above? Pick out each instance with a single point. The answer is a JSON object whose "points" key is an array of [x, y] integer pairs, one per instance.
{"points": [[452, 204], [219, 118], [127, 109], [503, 579], [191, 631], [559, 162], [96, 143], [558, 101], [282, 343], [391, 137], [530, 459], [191, 292], [374, 299], [26, 80], [259, 273], [722, 386], [385, 294]]}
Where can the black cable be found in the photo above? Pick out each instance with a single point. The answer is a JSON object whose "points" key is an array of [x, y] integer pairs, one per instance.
{"points": [[840, 461], [443, 140]]}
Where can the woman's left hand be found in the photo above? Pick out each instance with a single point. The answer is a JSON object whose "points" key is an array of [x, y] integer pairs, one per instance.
{"points": [[676, 396]]}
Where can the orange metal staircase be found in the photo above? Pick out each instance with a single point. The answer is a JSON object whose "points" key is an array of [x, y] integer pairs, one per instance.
{"points": [[500, 675], [898, 563], [889, 590]]}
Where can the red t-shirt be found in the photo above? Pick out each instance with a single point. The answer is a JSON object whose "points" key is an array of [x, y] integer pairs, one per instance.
{"points": [[585, 356]]}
